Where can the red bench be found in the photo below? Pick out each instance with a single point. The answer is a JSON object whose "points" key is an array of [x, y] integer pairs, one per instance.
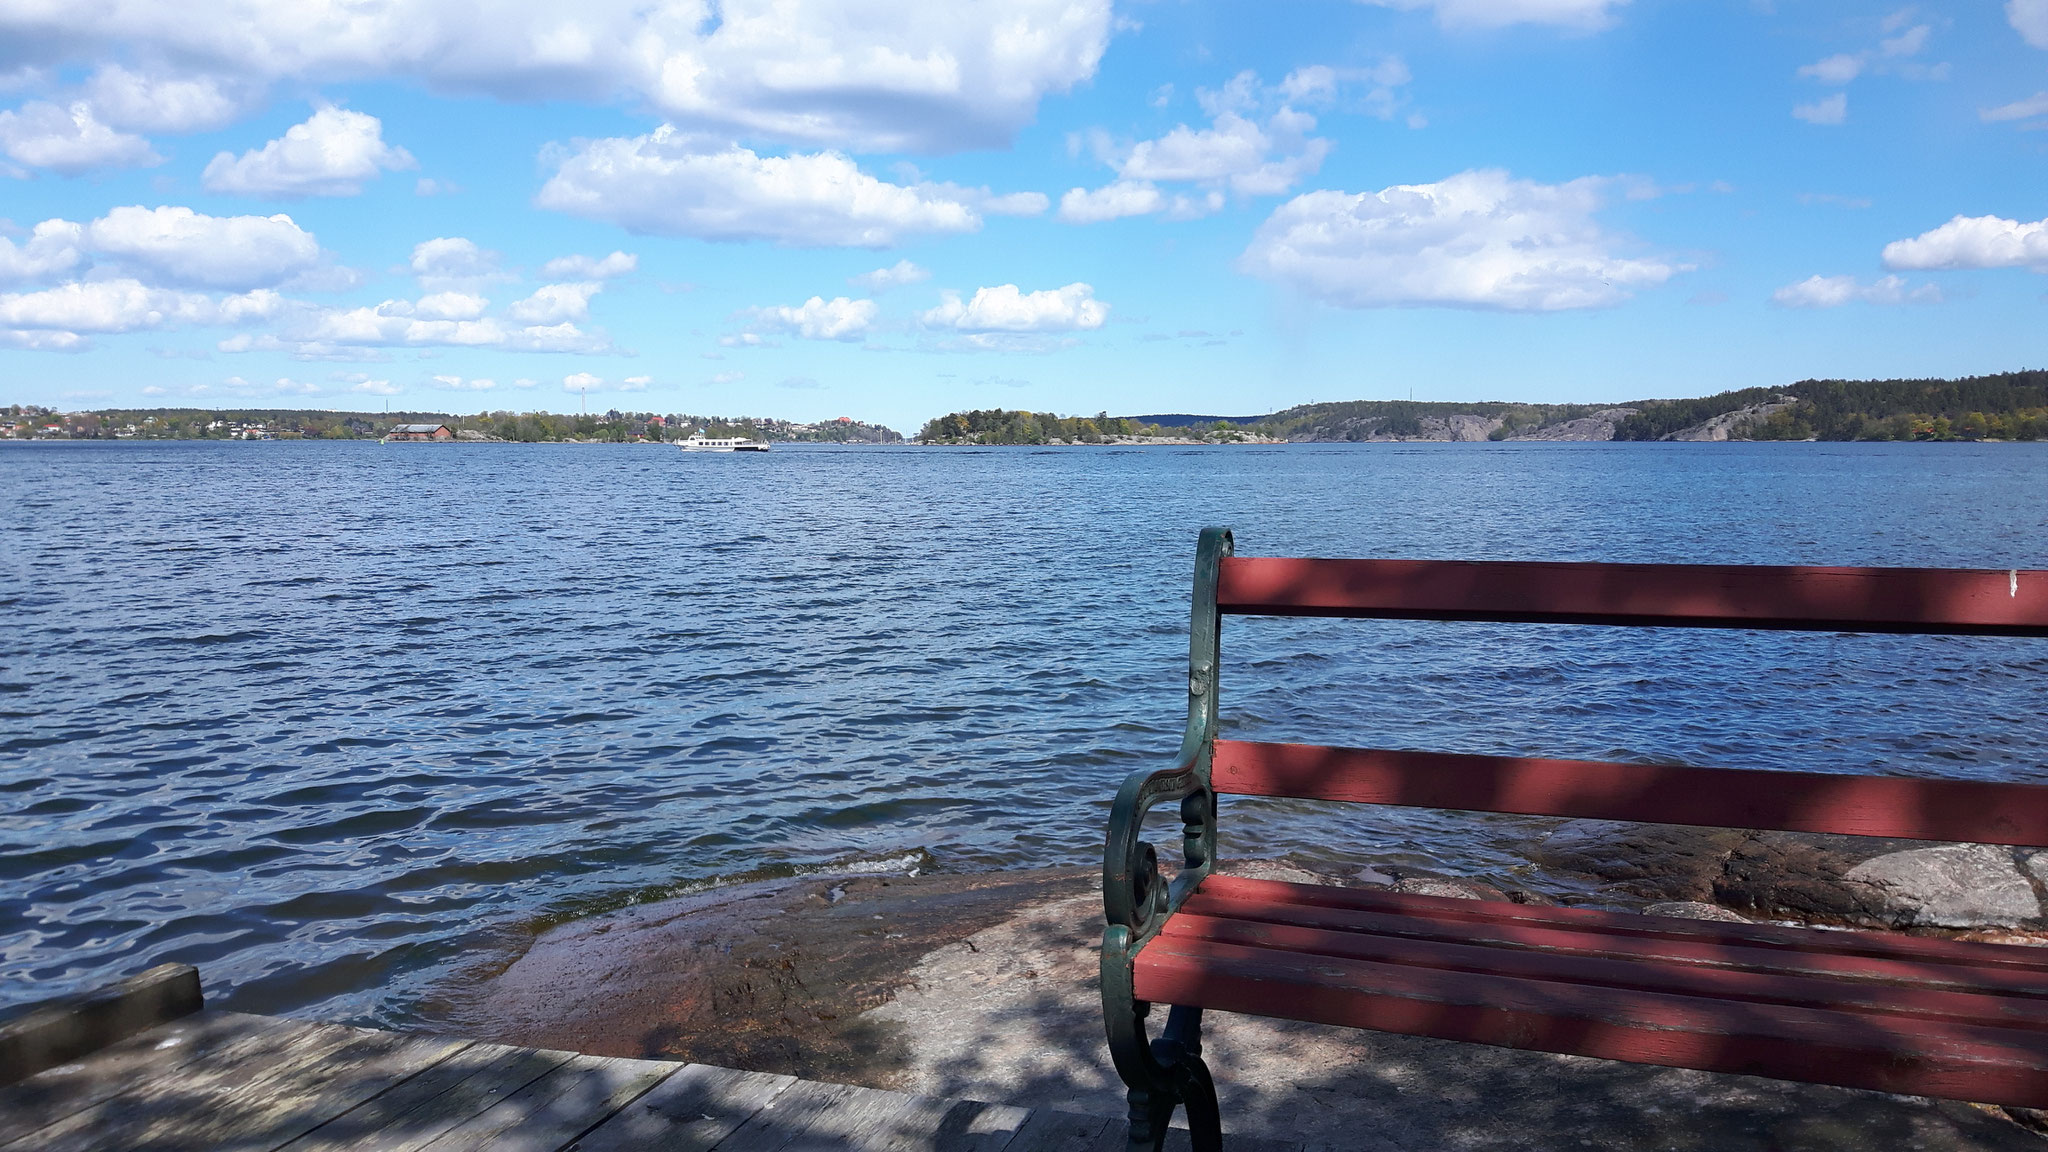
{"points": [[1922, 1016]]}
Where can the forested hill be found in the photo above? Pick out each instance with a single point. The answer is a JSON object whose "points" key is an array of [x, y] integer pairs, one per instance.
{"points": [[2007, 406]]}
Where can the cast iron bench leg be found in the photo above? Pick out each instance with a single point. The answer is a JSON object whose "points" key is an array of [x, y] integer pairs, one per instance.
{"points": [[1179, 1053]]}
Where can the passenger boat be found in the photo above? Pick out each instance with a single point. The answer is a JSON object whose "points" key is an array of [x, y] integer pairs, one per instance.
{"points": [[698, 442]]}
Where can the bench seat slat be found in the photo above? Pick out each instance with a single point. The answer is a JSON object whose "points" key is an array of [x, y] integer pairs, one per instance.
{"points": [[1892, 806], [1882, 1051], [1727, 979], [1297, 902], [1478, 928], [1922, 600]]}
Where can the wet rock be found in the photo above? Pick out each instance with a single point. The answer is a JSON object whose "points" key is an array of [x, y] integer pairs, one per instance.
{"points": [[1876, 883], [1454, 887], [1650, 861], [1696, 910]]}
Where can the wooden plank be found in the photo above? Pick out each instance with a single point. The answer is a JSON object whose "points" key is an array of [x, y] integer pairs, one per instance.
{"points": [[1925, 600], [254, 1104], [1504, 931], [811, 1115], [1919, 1057], [972, 1126], [1898, 806], [693, 1110], [1048, 1131], [553, 1110], [1722, 979], [2015, 958], [62, 1030], [206, 1040], [417, 1112]]}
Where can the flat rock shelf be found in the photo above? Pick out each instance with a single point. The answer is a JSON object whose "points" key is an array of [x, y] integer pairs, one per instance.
{"points": [[217, 1080]]}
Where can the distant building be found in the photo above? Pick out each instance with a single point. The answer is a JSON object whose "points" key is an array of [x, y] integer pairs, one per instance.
{"points": [[421, 432]]}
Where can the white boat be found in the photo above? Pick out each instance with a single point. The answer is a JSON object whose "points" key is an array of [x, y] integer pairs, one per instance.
{"points": [[698, 442]]}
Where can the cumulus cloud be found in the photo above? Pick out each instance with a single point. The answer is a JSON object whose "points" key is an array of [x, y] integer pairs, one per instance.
{"points": [[672, 184], [1468, 15], [554, 303], [584, 268], [110, 306], [1837, 69], [1835, 291], [69, 139], [52, 248], [166, 103], [2030, 19], [582, 382], [882, 279], [176, 245], [820, 319], [1243, 151], [1973, 242], [460, 384], [1134, 198], [332, 154], [883, 75], [1826, 111], [1480, 239], [452, 260], [450, 306], [1005, 308]]}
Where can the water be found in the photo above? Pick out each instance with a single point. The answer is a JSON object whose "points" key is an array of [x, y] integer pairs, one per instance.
{"points": [[331, 720]]}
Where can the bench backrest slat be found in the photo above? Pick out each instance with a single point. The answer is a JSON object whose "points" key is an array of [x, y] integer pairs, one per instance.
{"points": [[1911, 808], [1922, 600]]}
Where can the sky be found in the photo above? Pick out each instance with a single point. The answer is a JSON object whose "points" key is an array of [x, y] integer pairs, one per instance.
{"points": [[892, 209]]}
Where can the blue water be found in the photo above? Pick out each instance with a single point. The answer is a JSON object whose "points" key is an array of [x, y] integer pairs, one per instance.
{"points": [[332, 720]]}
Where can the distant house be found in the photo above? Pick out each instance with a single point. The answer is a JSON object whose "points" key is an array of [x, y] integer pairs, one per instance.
{"points": [[421, 432]]}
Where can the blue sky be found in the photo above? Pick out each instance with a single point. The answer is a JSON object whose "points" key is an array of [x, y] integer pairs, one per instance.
{"points": [[890, 210]]}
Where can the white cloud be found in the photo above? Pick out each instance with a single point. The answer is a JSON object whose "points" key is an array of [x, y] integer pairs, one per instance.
{"points": [[332, 154], [1480, 239], [1974, 242], [450, 306], [45, 341], [882, 279], [1907, 43], [179, 246], [53, 247], [1579, 15], [2035, 105], [1835, 291], [1004, 308], [1837, 69], [883, 75], [579, 267], [2030, 19], [1828, 110], [452, 260], [164, 103], [111, 306], [1252, 160], [69, 139], [377, 388], [459, 384], [1319, 85], [820, 319], [635, 383], [1134, 198], [727, 378], [554, 303], [582, 382], [668, 183]]}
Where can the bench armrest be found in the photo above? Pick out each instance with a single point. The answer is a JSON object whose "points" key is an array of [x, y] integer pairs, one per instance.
{"points": [[1134, 894]]}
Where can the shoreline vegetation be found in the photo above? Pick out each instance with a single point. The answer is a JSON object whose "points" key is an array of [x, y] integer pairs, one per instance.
{"points": [[2002, 407]]}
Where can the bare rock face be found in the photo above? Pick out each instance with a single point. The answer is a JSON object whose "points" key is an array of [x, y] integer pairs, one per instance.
{"points": [[1695, 910], [1454, 887], [1720, 426], [1647, 861], [1873, 883], [1598, 426]]}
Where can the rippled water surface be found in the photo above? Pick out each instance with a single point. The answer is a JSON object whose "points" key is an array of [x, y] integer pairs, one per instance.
{"points": [[322, 718]]}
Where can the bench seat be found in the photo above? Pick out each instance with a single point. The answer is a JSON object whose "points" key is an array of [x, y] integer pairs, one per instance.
{"points": [[1924, 1016]]}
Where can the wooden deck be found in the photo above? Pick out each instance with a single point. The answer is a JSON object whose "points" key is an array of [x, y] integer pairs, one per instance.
{"points": [[220, 1081]]}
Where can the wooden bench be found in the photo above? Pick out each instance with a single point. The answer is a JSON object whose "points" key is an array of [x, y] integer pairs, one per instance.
{"points": [[1897, 1013]]}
